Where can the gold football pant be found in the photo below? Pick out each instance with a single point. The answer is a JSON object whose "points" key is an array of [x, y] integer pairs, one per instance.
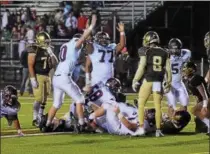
{"points": [[146, 89], [43, 89]]}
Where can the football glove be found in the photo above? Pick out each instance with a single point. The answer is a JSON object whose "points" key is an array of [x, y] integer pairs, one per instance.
{"points": [[166, 87], [34, 82], [135, 86]]}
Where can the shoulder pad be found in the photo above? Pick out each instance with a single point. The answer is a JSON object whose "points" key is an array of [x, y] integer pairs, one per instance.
{"points": [[142, 51], [185, 51], [32, 48], [112, 45]]}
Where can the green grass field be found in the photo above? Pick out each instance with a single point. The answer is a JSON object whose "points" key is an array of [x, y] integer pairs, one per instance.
{"points": [[184, 143]]}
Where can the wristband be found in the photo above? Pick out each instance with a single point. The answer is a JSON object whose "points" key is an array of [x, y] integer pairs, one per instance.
{"points": [[90, 27], [205, 103], [122, 33], [33, 79], [120, 116], [87, 78]]}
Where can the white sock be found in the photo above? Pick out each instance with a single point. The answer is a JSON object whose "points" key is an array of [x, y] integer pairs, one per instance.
{"points": [[41, 110], [81, 121], [48, 123], [36, 107], [206, 121]]}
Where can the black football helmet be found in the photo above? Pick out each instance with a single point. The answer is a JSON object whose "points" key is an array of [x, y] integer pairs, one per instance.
{"points": [[189, 69], [181, 119], [207, 41], [102, 38], [77, 35], [150, 116], [175, 46], [9, 95], [149, 38], [114, 85]]}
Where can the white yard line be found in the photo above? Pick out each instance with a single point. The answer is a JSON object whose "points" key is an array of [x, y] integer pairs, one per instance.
{"points": [[37, 134], [201, 153]]}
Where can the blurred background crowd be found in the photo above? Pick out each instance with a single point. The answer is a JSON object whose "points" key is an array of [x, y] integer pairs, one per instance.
{"points": [[21, 21]]}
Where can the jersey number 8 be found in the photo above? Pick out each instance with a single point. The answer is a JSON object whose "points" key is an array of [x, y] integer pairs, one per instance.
{"points": [[157, 63]]}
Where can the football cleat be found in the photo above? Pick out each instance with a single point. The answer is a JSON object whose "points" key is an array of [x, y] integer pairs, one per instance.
{"points": [[139, 132], [159, 133], [35, 123]]}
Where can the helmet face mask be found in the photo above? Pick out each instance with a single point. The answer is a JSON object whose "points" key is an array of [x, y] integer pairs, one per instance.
{"points": [[189, 69], [114, 85], [9, 95], [43, 40], [102, 38], [150, 38], [175, 46], [207, 41]]}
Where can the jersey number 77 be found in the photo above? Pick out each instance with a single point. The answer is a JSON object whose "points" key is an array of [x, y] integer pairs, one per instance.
{"points": [[103, 54]]}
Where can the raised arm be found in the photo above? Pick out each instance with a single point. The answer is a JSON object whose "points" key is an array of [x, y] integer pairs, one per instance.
{"points": [[87, 32], [121, 30]]}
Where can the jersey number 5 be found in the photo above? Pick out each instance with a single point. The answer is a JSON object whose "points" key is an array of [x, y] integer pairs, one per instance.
{"points": [[157, 63], [62, 54], [174, 68], [104, 53]]}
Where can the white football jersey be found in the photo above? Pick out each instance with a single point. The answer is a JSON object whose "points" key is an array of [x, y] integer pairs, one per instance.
{"points": [[68, 57], [102, 60], [177, 63], [100, 94], [128, 111]]}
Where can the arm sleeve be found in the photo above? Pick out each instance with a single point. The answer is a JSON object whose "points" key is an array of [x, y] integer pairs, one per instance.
{"points": [[141, 68], [186, 55], [196, 81], [168, 70]]}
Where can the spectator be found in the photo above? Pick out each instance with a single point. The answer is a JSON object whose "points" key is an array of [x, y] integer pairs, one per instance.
{"points": [[67, 9], [61, 31], [71, 23], [6, 34], [58, 16], [15, 34], [82, 21], [5, 18], [21, 45], [29, 34], [23, 16], [25, 73]]}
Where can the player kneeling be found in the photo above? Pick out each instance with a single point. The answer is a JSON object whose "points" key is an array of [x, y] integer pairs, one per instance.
{"points": [[10, 107], [198, 87]]}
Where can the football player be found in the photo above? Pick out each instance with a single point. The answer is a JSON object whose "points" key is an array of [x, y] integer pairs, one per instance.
{"points": [[119, 119], [9, 107], [154, 64], [62, 80], [207, 46], [198, 88], [101, 55], [40, 61], [178, 92]]}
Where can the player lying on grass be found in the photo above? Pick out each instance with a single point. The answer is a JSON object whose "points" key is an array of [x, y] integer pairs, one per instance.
{"points": [[10, 107], [198, 87]]}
